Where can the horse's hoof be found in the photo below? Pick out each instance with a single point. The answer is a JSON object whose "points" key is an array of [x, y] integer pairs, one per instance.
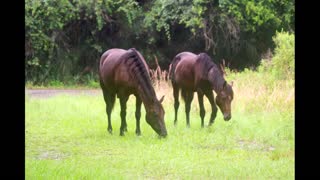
{"points": [[138, 133], [121, 134], [110, 131]]}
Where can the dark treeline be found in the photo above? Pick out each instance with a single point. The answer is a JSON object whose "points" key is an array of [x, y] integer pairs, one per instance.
{"points": [[65, 38]]}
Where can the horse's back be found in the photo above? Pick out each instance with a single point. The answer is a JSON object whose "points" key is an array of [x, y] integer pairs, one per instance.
{"points": [[111, 55], [114, 71], [183, 69], [186, 54], [109, 63], [184, 61]]}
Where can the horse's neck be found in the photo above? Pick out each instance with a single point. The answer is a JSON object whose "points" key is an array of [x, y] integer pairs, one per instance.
{"points": [[144, 87], [138, 71], [146, 97], [216, 80]]}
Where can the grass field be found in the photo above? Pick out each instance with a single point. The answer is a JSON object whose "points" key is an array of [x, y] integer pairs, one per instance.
{"points": [[66, 137]]}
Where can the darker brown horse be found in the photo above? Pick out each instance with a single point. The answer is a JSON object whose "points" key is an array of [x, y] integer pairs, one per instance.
{"points": [[125, 72], [197, 73]]}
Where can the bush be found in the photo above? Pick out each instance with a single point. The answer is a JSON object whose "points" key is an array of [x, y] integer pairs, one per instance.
{"points": [[282, 64]]}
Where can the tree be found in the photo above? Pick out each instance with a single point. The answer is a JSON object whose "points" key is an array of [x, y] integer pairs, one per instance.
{"points": [[64, 37]]}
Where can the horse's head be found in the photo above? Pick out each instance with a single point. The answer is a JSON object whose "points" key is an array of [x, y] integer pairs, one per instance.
{"points": [[155, 117], [223, 100]]}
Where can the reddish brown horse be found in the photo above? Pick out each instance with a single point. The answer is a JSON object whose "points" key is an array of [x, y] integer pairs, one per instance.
{"points": [[125, 72], [197, 73]]}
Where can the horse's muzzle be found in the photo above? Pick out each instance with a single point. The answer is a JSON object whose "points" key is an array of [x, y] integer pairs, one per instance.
{"points": [[227, 117], [163, 133]]}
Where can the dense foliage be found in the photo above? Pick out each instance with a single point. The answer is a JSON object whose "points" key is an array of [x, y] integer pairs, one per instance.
{"points": [[282, 64], [283, 61], [65, 38]]}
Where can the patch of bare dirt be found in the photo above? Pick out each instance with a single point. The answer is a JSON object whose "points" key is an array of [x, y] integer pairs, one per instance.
{"points": [[52, 155], [253, 145], [46, 93]]}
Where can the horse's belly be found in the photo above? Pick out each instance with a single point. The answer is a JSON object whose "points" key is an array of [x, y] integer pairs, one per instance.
{"points": [[185, 80]]}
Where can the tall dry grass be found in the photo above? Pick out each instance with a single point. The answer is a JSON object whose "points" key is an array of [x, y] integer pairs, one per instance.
{"points": [[253, 91]]}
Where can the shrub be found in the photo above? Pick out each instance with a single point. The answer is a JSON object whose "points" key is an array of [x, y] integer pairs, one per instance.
{"points": [[282, 64], [283, 61]]}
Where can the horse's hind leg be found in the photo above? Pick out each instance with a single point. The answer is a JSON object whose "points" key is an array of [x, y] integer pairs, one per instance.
{"points": [[188, 96], [109, 99], [176, 102], [123, 104], [202, 110], [210, 97], [138, 115]]}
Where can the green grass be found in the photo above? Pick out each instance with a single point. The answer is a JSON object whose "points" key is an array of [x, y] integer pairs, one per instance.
{"points": [[66, 137]]}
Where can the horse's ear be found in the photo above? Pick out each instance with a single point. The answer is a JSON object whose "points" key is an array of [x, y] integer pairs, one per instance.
{"points": [[161, 99], [231, 83]]}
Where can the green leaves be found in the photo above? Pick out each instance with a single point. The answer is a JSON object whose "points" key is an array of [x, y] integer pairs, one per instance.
{"points": [[282, 65], [283, 60], [160, 16], [84, 28], [34, 62], [260, 14]]}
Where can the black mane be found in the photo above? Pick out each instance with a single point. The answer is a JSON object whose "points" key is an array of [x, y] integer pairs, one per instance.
{"points": [[207, 64], [139, 71]]}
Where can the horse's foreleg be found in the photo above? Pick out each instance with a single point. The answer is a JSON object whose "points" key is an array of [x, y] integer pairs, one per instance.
{"points": [[138, 115], [202, 110], [123, 105], [210, 97], [176, 103]]}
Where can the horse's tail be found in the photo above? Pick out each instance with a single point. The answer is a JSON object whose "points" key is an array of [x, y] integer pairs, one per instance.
{"points": [[172, 67], [169, 71], [103, 58]]}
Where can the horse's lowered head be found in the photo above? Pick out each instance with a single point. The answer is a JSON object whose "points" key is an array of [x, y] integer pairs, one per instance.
{"points": [[155, 117], [224, 99]]}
